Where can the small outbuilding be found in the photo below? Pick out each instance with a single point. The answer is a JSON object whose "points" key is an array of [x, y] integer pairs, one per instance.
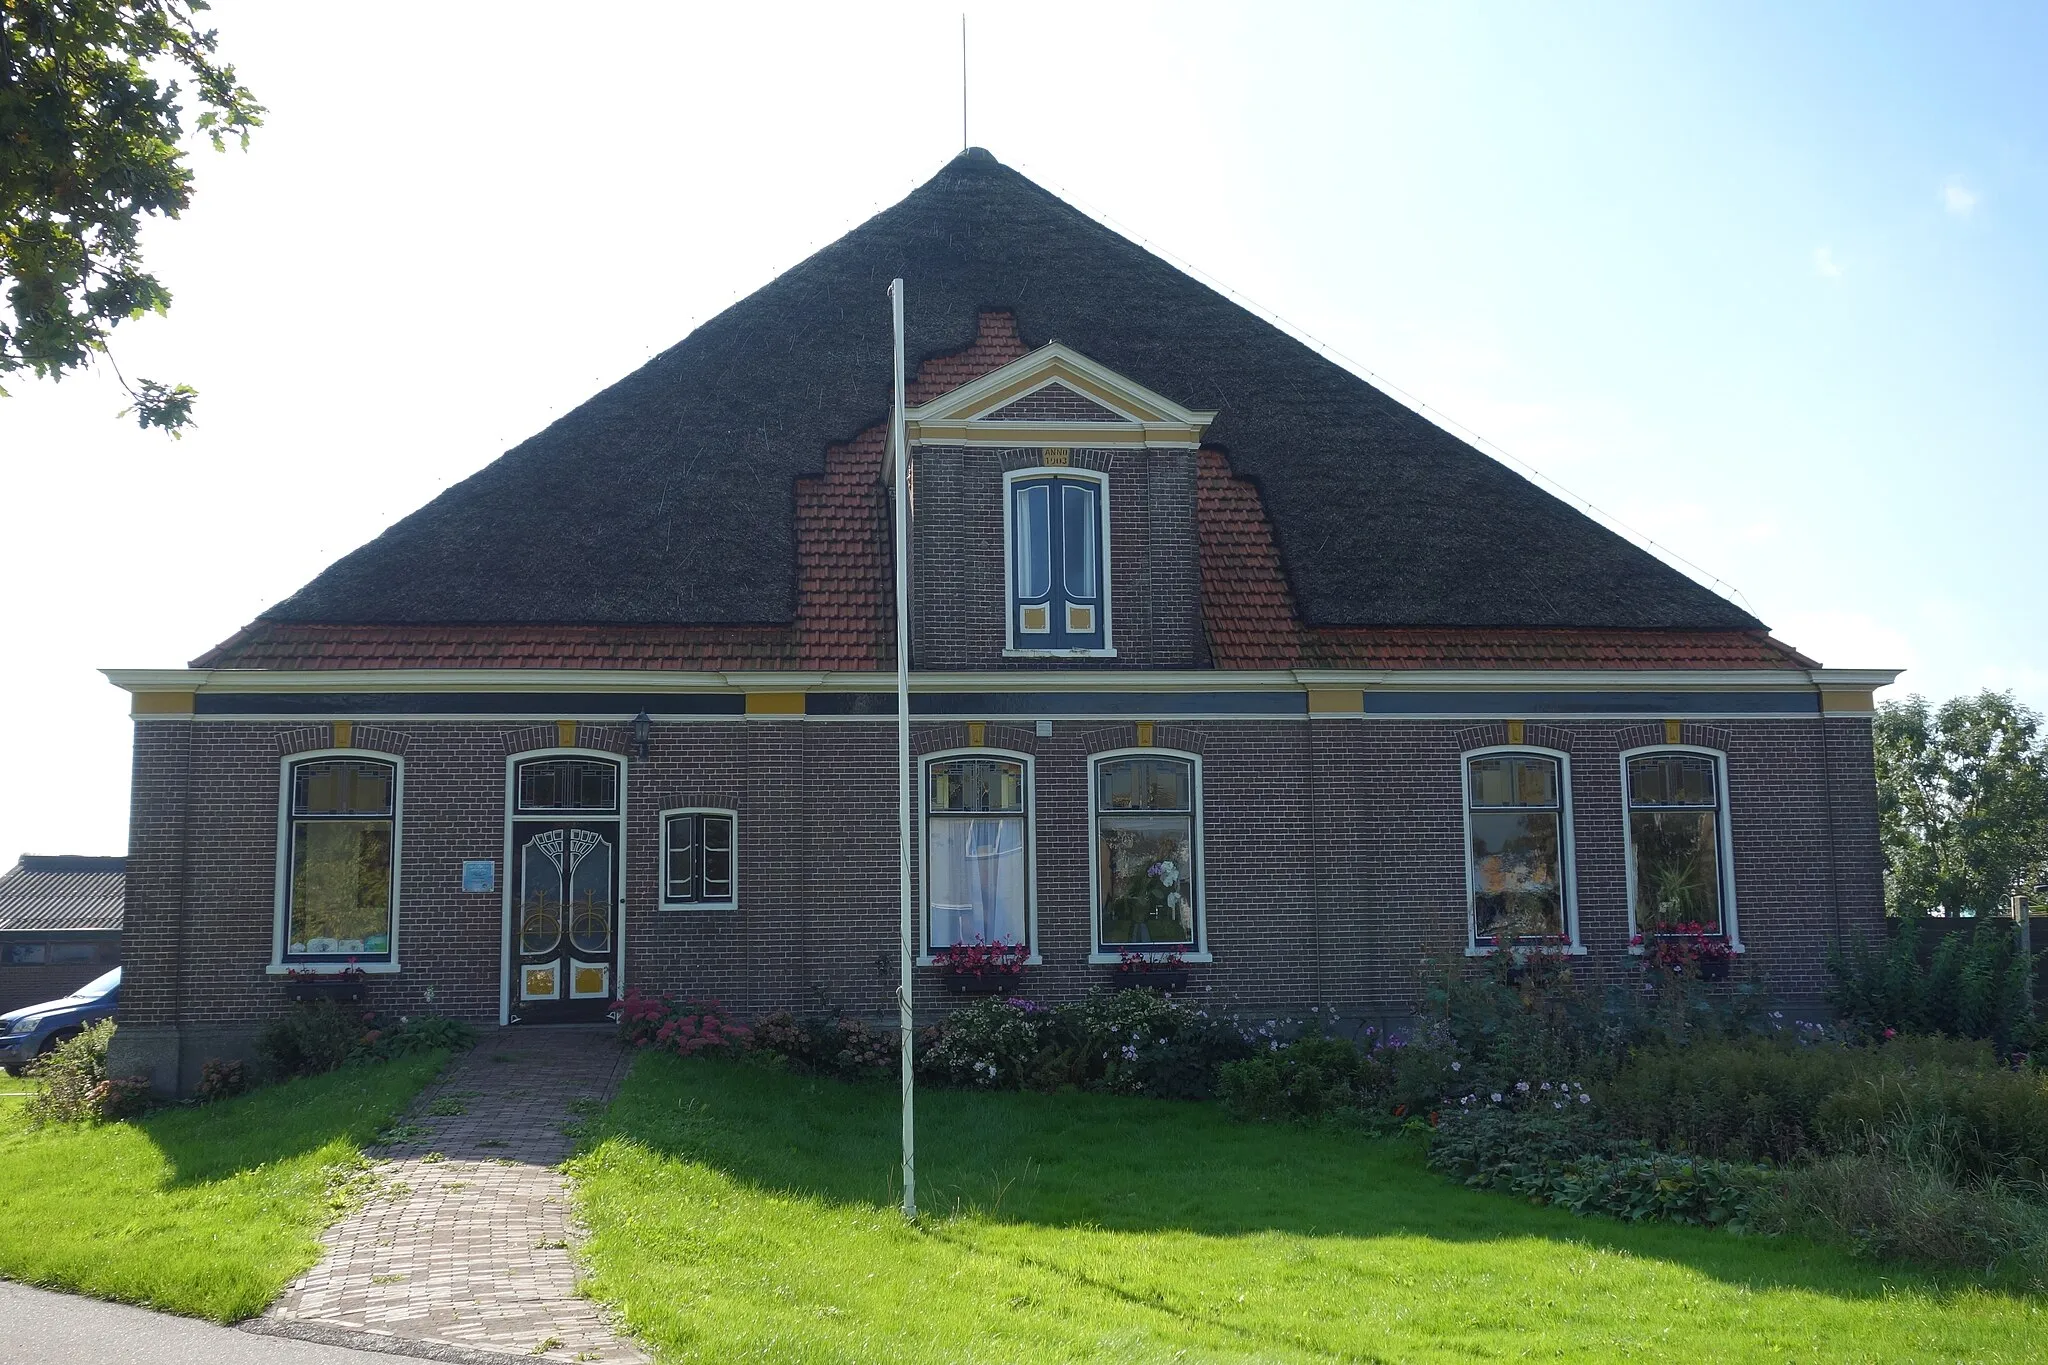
{"points": [[60, 925]]}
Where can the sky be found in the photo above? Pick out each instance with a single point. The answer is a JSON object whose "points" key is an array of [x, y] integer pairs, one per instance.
{"points": [[1765, 285]]}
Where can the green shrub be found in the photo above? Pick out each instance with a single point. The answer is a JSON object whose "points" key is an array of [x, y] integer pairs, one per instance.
{"points": [[311, 1038], [1315, 1077], [1973, 985], [1895, 1210], [412, 1035], [317, 1036], [1974, 1127], [1754, 1100], [1140, 1042], [1567, 1159], [72, 1084]]}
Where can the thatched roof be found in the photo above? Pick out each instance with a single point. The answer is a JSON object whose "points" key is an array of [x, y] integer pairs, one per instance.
{"points": [[669, 497]]}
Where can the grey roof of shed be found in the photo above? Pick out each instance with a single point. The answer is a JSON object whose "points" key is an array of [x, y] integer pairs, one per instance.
{"points": [[62, 891], [669, 497]]}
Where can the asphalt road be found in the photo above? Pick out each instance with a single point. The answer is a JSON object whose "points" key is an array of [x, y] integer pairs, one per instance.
{"points": [[41, 1328]]}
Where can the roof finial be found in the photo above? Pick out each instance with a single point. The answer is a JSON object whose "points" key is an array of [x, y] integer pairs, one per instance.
{"points": [[963, 80]]}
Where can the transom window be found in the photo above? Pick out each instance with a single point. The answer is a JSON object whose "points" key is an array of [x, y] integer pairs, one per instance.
{"points": [[697, 858], [1058, 572], [1677, 873], [552, 784], [1516, 823], [977, 860], [339, 863], [1147, 863]]}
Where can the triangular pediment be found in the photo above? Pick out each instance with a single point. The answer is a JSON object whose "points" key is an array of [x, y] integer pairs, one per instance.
{"points": [[1056, 396]]}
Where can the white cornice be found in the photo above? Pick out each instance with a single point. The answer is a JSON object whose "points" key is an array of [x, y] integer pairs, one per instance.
{"points": [[222, 680]]}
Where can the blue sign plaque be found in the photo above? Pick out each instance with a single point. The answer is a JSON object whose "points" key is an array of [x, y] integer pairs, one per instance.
{"points": [[480, 874]]}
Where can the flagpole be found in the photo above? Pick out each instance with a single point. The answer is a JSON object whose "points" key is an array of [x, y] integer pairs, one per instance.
{"points": [[900, 477]]}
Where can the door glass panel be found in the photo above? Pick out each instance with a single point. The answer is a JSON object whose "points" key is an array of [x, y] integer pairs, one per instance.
{"points": [[540, 900], [1077, 535], [568, 784], [1034, 540], [590, 893]]}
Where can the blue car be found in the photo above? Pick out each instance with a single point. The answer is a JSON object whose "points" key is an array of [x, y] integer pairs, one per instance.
{"points": [[26, 1034]]}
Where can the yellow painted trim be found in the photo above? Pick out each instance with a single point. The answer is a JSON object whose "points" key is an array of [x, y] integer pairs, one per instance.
{"points": [[1144, 734], [977, 734], [161, 704], [1848, 701], [344, 733], [565, 733], [775, 703], [1323, 702], [1516, 730], [1674, 731]]}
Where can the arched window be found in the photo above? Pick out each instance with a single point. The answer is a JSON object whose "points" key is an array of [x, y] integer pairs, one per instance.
{"points": [[977, 858], [340, 856], [1518, 849], [1678, 842], [1148, 856]]}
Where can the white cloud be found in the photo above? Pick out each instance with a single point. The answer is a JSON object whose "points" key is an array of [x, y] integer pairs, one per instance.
{"points": [[1824, 263], [1958, 199]]}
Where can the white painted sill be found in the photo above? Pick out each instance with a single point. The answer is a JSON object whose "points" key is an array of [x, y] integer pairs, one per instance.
{"points": [[1014, 653], [331, 968], [1576, 950], [1734, 946], [1116, 959], [683, 907]]}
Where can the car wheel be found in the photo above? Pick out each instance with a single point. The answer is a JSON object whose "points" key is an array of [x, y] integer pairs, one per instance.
{"points": [[62, 1035]]}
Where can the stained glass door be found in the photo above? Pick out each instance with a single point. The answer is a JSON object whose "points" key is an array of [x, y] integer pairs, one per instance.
{"points": [[565, 921]]}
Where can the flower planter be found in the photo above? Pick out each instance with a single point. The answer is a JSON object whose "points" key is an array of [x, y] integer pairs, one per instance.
{"points": [[1171, 979], [983, 985], [340, 992]]}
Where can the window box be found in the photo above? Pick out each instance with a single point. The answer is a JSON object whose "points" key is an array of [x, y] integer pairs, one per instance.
{"points": [[341, 989], [1165, 981], [982, 985]]}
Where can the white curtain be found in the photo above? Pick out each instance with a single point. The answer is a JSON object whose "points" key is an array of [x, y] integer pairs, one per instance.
{"points": [[977, 875]]}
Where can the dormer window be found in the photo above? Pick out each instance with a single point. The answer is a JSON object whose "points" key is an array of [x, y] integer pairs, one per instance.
{"points": [[1059, 598]]}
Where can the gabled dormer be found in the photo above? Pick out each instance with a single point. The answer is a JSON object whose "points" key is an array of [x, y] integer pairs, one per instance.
{"points": [[1054, 519]]}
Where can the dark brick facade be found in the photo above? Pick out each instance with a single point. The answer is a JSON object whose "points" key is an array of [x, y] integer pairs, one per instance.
{"points": [[1333, 859], [959, 583]]}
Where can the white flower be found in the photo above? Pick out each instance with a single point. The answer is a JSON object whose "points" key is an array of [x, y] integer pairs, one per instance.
{"points": [[1546, 1085], [1169, 875], [1522, 1086], [1584, 1098], [1557, 1104], [1457, 1066], [1496, 1097]]}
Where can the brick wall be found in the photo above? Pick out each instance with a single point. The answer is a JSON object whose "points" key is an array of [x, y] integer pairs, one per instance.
{"points": [[959, 583], [1333, 858]]}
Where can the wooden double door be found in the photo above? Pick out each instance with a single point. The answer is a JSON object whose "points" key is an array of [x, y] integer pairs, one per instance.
{"points": [[565, 929]]}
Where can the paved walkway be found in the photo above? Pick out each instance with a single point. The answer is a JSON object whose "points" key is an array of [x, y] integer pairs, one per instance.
{"points": [[466, 1242]]}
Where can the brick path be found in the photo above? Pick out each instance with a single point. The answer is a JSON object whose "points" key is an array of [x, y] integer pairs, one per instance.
{"points": [[466, 1241]]}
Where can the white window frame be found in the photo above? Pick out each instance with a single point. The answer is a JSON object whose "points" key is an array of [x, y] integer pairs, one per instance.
{"points": [[1731, 924], [1030, 473], [1200, 951], [510, 814], [924, 846], [731, 902], [1568, 853], [281, 908]]}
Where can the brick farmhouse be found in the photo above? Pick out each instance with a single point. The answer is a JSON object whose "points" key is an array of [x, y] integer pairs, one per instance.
{"points": [[1218, 652]]}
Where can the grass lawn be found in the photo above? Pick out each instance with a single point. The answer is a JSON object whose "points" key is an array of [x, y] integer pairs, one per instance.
{"points": [[744, 1214], [207, 1211]]}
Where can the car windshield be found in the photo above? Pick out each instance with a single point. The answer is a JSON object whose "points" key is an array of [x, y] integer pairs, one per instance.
{"points": [[98, 986]]}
